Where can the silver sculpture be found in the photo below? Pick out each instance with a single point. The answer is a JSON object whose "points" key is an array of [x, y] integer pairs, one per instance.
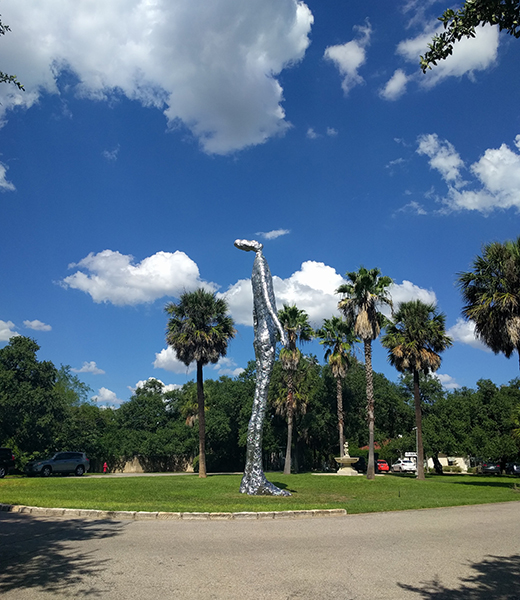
{"points": [[266, 325]]}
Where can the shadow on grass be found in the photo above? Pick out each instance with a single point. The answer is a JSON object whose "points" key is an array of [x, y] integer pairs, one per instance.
{"points": [[42, 554], [496, 577]]}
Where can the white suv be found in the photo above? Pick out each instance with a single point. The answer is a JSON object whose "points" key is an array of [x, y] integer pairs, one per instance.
{"points": [[404, 465]]}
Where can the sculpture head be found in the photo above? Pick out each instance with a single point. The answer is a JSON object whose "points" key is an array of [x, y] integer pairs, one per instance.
{"points": [[249, 245]]}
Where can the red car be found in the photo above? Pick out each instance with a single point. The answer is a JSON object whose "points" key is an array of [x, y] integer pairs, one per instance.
{"points": [[382, 466]]}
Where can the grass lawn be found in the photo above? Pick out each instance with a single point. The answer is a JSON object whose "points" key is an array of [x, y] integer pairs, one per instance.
{"points": [[219, 493]]}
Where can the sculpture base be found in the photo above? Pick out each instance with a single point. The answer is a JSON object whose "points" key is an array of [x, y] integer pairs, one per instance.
{"points": [[348, 471], [346, 463]]}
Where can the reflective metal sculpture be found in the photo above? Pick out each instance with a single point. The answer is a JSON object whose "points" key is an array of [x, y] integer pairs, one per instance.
{"points": [[266, 325]]}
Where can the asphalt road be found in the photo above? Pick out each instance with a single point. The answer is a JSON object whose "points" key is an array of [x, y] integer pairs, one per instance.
{"points": [[464, 553]]}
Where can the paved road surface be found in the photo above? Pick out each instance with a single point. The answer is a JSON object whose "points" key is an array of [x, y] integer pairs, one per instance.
{"points": [[465, 553]]}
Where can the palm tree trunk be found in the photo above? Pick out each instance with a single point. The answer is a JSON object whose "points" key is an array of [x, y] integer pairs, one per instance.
{"points": [[202, 421], [370, 408], [418, 424], [339, 399], [290, 393]]}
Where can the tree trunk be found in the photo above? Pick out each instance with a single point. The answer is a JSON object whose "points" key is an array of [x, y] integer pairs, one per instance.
{"points": [[290, 410], [339, 398], [370, 408], [418, 424], [202, 421], [437, 464]]}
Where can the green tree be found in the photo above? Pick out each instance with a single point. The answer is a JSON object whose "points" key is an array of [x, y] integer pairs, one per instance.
{"points": [[463, 23], [338, 337], [491, 292], [4, 77], [31, 409], [296, 324], [414, 339], [364, 292], [199, 330]]}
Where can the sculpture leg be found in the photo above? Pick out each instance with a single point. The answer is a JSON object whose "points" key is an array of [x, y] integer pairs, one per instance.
{"points": [[254, 481]]}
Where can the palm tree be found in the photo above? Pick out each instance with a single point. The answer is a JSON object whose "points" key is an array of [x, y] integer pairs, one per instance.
{"points": [[199, 329], [491, 292], [296, 325], [338, 337], [364, 292], [414, 338]]}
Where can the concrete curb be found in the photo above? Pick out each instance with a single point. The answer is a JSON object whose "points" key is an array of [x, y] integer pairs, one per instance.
{"points": [[129, 515]]}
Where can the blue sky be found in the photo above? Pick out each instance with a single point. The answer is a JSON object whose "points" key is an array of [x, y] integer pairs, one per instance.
{"points": [[151, 135]]}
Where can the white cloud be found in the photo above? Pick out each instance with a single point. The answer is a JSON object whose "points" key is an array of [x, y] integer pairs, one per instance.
{"points": [[443, 157], [7, 330], [273, 234], [496, 175], [447, 381], [5, 185], [106, 397], [331, 132], [167, 387], [469, 55], [89, 367], [211, 66], [464, 332], [112, 277], [37, 325], [396, 86], [111, 155], [311, 134], [413, 207], [313, 289], [227, 366], [406, 291], [167, 359], [349, 57]]}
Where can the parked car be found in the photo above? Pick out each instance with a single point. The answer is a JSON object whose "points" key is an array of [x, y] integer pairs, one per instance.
{"points": [[61, 462], [490, 467], [513, 468], [382, 466], [403, 465], [6, 461]]}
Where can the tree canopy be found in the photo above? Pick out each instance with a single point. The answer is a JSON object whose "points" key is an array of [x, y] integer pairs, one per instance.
{"points": [[199, 329], [464, 22], [415, 337], [491, 292]]}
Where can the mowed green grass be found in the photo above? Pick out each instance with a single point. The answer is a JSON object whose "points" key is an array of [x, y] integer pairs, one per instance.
{"points": [[220, 493]]}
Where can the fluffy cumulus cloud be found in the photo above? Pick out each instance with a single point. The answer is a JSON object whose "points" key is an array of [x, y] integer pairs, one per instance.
{"points": [[443, 157], [406, 291], [113, 277], [464, 332], [496, 175], [7, 330], [396, 86], [313, 289], [167, 387], [469, 55], [211, 66], [167, 359], [89, 367], [350, 57], [37, 325], [447, 381], [106, 397]]}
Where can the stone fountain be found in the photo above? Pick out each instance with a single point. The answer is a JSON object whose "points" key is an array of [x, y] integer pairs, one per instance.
{"points": [[346, 461]]}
